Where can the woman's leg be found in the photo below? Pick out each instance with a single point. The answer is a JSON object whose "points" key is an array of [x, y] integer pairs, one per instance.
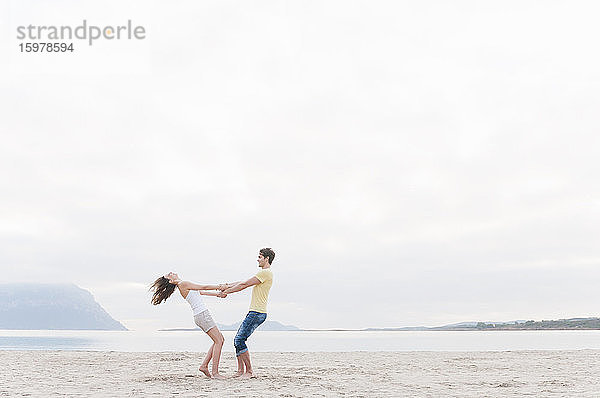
{"points": [[204, 366], [215, 334]]}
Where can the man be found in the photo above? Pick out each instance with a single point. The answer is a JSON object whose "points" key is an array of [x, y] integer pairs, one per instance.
{"points": [[262, 282]]}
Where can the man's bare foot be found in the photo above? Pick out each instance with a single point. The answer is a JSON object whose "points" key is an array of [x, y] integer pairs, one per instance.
{"points": [[218, 376], [205, 371], [238, 373], [247, 375]]}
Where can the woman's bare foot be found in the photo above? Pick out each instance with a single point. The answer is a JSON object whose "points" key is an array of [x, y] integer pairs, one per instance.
{"points": [[205, 371], [247, 375], [218, 376], [238, 373]]}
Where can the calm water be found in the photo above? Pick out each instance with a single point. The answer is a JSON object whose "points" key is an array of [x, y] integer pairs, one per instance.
{"points": [[301, 341]]}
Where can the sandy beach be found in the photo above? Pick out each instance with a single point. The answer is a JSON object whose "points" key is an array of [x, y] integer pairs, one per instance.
{"points": [[355, 374]]}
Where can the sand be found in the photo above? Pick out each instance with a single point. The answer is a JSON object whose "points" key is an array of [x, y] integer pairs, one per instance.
{"points": [[352, 374]]}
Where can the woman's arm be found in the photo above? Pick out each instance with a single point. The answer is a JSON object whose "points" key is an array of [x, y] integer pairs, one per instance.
{"points": [[194, 286], [216, 294]]}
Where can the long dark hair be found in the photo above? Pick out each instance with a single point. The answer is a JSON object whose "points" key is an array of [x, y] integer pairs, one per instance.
{"points": [[162, 289]]}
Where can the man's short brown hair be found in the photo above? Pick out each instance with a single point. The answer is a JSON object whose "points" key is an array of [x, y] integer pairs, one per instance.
{"points": [[268, 253]]}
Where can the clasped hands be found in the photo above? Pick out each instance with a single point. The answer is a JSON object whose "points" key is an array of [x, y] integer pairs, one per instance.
{"points": [[221, 287]]}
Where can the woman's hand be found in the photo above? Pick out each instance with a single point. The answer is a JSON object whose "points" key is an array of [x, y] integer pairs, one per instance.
{"points": [[221, 294]]}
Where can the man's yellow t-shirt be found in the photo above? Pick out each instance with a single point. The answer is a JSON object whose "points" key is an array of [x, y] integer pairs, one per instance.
{"points": [[260, 292]]}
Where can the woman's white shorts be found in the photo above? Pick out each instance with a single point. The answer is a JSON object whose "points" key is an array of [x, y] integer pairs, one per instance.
{"points": [[204, 321]]}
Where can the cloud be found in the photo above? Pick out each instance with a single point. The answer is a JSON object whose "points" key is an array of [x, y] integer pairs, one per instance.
{"points": [[410, 164]]}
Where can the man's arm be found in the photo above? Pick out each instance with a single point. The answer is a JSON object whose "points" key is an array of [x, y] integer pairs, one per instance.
{"points": [[224, 286], [242, 285]]}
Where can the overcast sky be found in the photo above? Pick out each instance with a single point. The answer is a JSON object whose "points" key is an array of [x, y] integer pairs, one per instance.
{"points": [[411, 163]]}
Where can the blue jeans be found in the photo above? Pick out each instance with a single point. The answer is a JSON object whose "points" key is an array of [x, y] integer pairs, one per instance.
{"points": [[249, 324]]}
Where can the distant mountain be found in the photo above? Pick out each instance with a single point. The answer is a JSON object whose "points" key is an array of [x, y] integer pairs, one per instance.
{"points": [[269, 326], [52, 306]]}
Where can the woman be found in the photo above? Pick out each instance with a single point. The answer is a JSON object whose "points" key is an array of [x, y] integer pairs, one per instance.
{"points": [[164, 286]]}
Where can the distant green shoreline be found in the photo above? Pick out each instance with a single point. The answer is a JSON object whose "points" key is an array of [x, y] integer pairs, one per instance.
{"points": [[560, 324]]}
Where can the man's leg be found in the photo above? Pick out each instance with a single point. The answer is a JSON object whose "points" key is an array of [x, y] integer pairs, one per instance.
{"points": [[240, 370], [252, 321], [246, 328], [246, 359], [239, 342]]}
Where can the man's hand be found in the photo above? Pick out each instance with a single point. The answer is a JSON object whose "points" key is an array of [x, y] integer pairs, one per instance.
{"points": [[225, 286], [221, 294]]}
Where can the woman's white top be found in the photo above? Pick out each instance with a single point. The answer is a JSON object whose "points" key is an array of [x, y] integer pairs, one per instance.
{"points": [[196, 302]]}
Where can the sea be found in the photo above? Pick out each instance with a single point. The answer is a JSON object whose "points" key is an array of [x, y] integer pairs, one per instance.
{"points": [[302, 341]]}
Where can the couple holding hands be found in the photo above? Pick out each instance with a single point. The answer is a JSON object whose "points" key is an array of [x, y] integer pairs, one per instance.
{"points": [[164, 286]]}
